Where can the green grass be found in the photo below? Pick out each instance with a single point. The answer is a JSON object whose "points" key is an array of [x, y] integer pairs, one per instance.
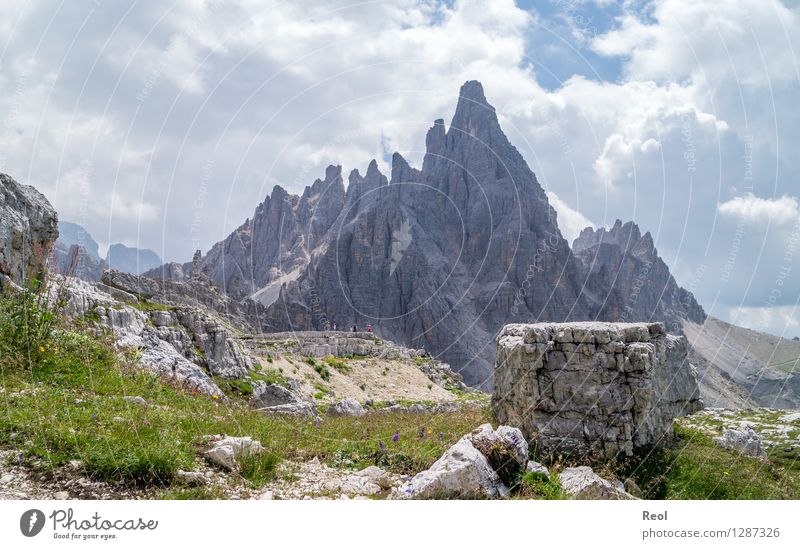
{"points": [[194, 493], [64, 401], [271, 375], [259, 469], [538, 486], [697, 468], [149, 306]]}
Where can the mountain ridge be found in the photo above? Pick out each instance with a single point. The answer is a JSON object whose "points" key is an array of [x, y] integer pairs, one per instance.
{"points": [[439, 257]]}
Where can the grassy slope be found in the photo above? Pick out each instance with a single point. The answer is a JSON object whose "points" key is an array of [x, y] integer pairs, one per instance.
{"points": [[62, 400]]}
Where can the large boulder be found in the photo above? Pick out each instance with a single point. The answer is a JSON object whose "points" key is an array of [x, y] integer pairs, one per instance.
{"points": [[583, 483], [346, 407], [28, 231], [462, 472], [270, 394], [592, 387]]}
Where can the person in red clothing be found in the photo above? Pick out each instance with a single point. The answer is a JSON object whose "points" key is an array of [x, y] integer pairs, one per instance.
{"points": [[369, 328]]}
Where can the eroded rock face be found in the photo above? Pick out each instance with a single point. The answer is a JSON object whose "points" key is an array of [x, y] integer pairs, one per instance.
{"points": [[28, 231], [591, 387], [623, 271], [163, 347]]}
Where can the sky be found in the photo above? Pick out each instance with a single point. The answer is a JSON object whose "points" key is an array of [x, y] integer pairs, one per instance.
{"points": [[163, 124]]}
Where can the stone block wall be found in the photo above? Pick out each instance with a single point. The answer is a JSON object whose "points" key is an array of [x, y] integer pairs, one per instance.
{"points": [[592, 387]]}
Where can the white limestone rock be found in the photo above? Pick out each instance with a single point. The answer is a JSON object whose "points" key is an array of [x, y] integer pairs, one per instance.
{"points": [[583, 483]]}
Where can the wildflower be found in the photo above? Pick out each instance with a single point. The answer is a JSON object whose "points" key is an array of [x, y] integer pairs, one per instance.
{"points": [[395, 437], [215, 397], [441, 436], [423, 432], [94, 416], [383, 448], [41, 349]]}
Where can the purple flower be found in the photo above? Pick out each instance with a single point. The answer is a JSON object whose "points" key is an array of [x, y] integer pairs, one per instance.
{"points": [[94, 416], [395, 437], [423, 432], [441, 436], [383, 448]]}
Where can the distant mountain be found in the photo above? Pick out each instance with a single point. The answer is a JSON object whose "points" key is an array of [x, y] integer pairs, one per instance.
{"points": [[738, 367], [131, 260], [439, 257], [76, 250]]}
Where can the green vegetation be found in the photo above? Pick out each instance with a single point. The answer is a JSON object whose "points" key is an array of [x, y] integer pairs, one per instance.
{"points": [[338, 365], [271, 375], [697, 468], [538, 486], [321, 369], [259, 469], [65, 392], [149, 306]]}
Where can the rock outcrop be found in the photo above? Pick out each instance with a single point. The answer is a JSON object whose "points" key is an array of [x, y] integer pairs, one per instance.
{"points": [[478, 466], [28, 231], [590, 387], [182, 344], [744, 440], [226, 451]]}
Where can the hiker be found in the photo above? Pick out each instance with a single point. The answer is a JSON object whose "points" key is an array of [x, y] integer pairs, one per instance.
{"points": [[369, 328], [355, 328], [334, 327]]}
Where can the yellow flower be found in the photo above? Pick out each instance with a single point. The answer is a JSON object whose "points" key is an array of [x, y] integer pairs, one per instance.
{"points": [[216, 397], [41, 349]]}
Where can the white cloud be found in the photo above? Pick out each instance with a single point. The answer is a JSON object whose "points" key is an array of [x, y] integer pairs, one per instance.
{"points": [[754, 208], [570, 221]]}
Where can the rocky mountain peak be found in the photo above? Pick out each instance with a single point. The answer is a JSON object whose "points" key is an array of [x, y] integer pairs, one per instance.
{"points": [[626, 275], [446, 264], [402, 172]]}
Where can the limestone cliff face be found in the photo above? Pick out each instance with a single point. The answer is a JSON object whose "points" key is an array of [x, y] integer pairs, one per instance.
{"points": [[277, 241], [28, 230], [439, 258], [627, 280]]}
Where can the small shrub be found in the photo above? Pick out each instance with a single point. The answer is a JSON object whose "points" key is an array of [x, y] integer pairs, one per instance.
{"points": [[259, 468], [338, 365], [323, 371], [538, 486]]}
